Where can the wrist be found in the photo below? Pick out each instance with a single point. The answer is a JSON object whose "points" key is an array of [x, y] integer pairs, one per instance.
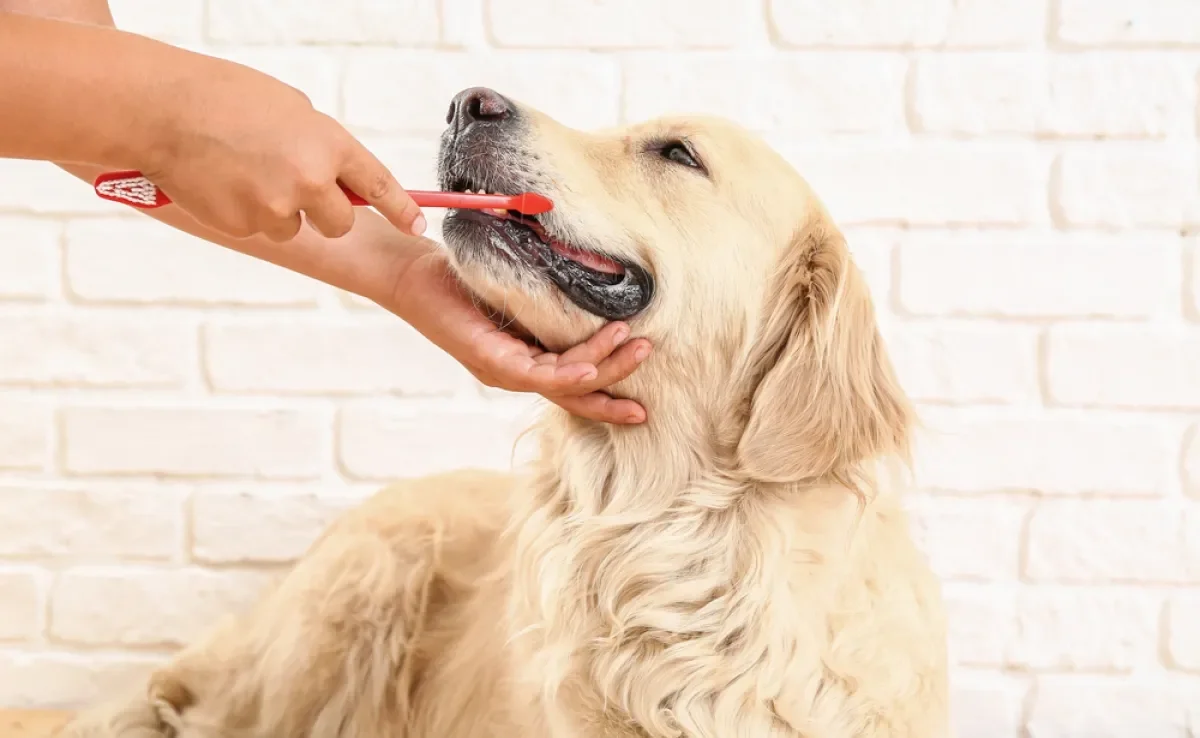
{"points": [[411, 263]]}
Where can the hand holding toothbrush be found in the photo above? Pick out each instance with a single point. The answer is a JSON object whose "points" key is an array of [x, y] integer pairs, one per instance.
{"points": [[243, 155], [247, 154]]}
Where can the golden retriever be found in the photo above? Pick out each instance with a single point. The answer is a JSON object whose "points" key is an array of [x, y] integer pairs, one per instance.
{"points": [[739, 566]]}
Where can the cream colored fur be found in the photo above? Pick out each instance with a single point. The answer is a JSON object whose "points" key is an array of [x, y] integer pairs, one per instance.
{"points": [[738, 567]]}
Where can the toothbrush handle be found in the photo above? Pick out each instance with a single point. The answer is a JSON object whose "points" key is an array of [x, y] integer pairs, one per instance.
{"points": [[132, 188]]}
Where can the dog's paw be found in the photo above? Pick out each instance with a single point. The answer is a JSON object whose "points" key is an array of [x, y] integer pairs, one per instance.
{"points": [[133, 717]]}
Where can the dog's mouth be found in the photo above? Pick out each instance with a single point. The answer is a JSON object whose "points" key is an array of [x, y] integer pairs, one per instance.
{"points": [[604, 285]]}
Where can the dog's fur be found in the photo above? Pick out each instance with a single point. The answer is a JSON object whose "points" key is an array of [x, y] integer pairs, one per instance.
{"points": [[738, 566]]}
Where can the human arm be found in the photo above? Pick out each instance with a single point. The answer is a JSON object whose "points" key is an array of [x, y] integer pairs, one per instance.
{"points": [[79, 92]]}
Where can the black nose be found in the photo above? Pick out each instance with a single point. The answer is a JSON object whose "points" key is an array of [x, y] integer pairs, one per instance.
{"points": [[478, 105]]}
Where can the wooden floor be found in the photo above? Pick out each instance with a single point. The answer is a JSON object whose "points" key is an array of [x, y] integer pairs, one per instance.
{"points": [[30, 723]]}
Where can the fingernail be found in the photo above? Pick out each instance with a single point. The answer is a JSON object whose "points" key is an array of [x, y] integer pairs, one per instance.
{"points": [[642, 352], [635, 417], [419, 225], [587, 375], [620, 335]]}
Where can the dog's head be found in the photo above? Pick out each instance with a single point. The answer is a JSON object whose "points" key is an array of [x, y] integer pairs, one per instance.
{"points": [[709, 244]]}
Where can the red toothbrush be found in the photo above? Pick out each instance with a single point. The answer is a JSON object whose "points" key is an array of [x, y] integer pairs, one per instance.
{"points": [[132, 188]]}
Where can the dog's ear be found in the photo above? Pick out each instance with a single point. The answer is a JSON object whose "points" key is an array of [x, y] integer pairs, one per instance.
{"points": [[819, 389]]}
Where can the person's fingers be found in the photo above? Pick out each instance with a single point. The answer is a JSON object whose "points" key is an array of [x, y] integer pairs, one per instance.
{"points": [[370, 179], [571, 375], [283, 229], [618, 366], [615, 358], [526, 374], [330, 212], [597, 348], [600, 407]]}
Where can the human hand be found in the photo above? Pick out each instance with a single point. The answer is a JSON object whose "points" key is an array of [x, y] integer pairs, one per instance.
{"points": [[244, 153], [430, 298]]}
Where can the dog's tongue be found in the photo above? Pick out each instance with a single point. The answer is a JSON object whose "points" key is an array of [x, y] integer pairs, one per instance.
{"points": [[589, 259]]}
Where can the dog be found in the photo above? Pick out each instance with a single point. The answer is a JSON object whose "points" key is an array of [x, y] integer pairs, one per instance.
{"points": [[738, 566]]}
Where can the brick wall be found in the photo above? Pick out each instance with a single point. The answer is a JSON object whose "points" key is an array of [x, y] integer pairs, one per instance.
{"points": [[1018, 178]]}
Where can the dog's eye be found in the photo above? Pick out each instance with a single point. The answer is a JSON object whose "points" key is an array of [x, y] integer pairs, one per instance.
{"points": [[678, 152]]}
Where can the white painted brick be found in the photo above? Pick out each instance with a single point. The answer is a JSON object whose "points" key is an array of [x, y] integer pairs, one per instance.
{"points": [[873, 253], [39, 187], [93, 524], [146, 607], [1191, 462], [1105, 707], [1127, 366], [63, 680], [977, 93], [979, 622], [1084, 630], [330, 356], [1038, 275], [400, 22], [314, 71], [466, 27], [1099, 540], [1113, 94], [143, 261], [1192, 300], [1191, 541], [22, 602], [1069, 95], [969, 538], [1128, 22], [1127, 186], [1183, 631], [965, 362], [1052, 629], [414, 440], [29, 253], [579, 90], [185, 441], [260, 526], [825, 92], [173, 22], [617, 24], [985, 705], [24, 434], [953, 23], [97, 350], [925, 182], [414, 162], [1050, 453]]}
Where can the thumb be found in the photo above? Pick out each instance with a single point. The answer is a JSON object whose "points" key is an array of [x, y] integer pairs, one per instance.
{"points": [[366, 176]]}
